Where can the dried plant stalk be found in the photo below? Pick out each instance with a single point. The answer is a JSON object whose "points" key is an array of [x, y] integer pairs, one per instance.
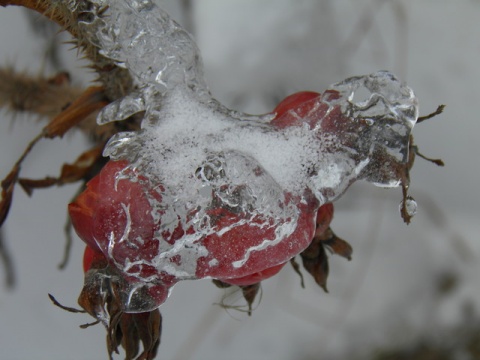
{"points": [[116, 80]]}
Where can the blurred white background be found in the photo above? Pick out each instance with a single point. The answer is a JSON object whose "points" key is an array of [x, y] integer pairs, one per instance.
{"points": [[255, 53]]}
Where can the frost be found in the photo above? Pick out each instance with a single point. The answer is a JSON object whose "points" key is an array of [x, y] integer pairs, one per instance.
{"points": [[197, 158]]}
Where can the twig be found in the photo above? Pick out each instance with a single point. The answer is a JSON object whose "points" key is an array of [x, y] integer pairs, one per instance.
{"points": [[439, 110], [6, 259]]}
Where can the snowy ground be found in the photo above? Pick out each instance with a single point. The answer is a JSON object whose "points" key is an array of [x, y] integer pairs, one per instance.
{"points": [[255, 53]]}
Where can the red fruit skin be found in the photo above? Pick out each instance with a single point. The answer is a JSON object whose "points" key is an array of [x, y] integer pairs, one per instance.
{"points": [[91, 257], [323, 219], [102, 213], [232, 247], [99, 215], [309, 107], [255, 277], [113, 216], [298, 103]]}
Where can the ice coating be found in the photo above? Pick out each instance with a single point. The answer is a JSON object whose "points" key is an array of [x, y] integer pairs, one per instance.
{"points": [[410, 206], [203, 192]]}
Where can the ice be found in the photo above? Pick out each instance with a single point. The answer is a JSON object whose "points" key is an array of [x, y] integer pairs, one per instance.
{"points": [[196, 159], [410, 206]]}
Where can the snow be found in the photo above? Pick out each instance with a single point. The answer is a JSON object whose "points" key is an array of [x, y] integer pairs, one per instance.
{"points": [[388, 284]]}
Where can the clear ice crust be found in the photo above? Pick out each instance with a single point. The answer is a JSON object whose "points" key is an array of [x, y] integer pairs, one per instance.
{"points": [[228, 194]]}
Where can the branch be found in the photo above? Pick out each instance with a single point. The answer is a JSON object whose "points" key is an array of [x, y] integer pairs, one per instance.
{"points": [[117, 81]]}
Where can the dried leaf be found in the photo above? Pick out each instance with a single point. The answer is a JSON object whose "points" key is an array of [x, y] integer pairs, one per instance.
{"points": [[99, 297], [29, 184], [81, 169], [8, 184], [92, 99]]}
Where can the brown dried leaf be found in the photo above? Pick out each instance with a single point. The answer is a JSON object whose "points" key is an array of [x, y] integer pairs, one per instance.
{"points": [[28, 185], [92, 99], [81, 169], [8, 184]]}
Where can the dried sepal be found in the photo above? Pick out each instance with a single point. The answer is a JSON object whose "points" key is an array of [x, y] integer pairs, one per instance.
{"points": [[250, 293], [336, 245], [220, 284], [129, 330], [63, 307], [100, 298], [315, 261], [296, 268]]}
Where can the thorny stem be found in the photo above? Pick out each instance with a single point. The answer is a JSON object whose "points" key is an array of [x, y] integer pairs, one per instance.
{"points": [[117, 81]]}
